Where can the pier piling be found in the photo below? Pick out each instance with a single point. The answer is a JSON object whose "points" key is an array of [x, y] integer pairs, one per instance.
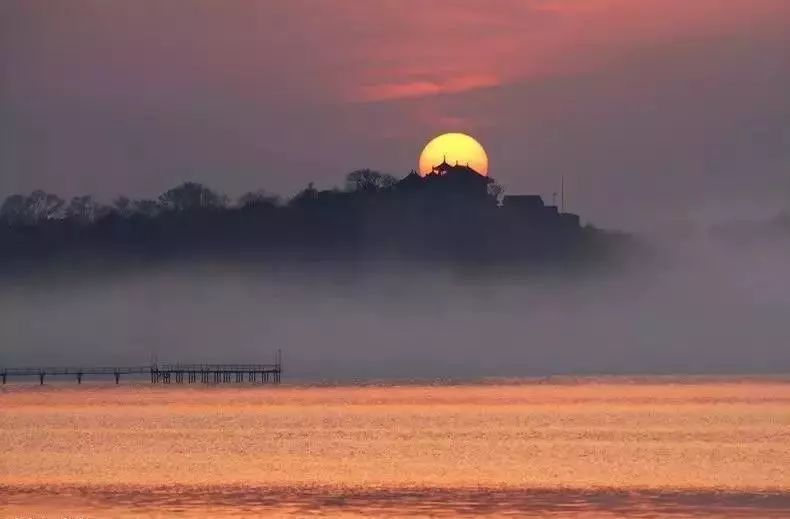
{"points": [[162, 373]]}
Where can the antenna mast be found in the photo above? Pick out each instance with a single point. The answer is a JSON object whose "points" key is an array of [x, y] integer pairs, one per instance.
{"points": [[562, 193]]}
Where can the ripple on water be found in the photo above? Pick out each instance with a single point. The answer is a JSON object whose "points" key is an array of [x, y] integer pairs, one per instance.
{"points": [[436, 502]]}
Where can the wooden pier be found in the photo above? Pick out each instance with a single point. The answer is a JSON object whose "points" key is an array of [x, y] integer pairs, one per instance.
{"points": [[215, 373], [164, 373]]}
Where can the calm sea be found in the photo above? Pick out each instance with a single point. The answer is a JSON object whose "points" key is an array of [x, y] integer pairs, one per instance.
{"points": [[574, 448]]}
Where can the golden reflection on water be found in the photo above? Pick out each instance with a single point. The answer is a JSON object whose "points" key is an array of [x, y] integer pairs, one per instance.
{"points": [[590, 449]]}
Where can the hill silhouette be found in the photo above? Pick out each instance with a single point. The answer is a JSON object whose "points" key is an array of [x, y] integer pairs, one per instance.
{"points": [[451, 215]]}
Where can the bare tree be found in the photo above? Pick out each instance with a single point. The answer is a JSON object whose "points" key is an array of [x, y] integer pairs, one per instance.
{"points": [[369, 180], [123, 206], [36, 207], [45, 206], [85, 209], [191, 196], [147, 208], [258, 198], [495, 190]]}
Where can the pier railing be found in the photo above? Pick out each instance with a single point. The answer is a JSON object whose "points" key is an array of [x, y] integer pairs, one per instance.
{"points": [[163, 373]]}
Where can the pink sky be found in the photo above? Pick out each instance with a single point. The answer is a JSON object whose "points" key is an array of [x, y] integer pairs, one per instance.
{"points": [[650, 98]]}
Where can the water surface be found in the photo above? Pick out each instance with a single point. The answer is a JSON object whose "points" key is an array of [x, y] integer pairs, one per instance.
{"points": [[583, 448]]}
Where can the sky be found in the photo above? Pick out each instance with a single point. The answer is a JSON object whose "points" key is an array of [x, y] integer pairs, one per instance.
{"points": [[655, 112]]}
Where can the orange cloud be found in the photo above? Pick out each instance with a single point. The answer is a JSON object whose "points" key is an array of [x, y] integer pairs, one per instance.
{"points": [[412, 89]]}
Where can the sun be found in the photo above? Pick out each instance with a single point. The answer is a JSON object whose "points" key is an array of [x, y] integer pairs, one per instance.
{"points": [[454, 147]]}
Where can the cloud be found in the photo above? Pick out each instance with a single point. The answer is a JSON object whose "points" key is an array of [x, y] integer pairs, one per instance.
{"points": [[451, 85], [426, 49]]}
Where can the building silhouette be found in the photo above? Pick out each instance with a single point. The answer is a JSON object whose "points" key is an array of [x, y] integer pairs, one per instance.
{"points": [[463, 184]]}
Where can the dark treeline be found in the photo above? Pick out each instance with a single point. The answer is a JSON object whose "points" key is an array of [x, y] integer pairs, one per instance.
{"points": [[451, 215]]}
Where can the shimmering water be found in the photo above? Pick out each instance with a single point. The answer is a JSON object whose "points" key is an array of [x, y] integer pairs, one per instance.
{"points": [[585, 448]]}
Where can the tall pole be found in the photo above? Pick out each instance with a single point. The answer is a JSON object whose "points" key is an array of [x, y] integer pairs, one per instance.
{"points": [[562, 194]]}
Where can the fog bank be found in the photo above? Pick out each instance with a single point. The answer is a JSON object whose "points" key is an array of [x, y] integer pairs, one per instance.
{"points": [[700, 305]]}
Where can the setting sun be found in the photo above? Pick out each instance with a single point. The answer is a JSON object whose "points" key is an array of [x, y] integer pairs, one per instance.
{"points": [[454, 148]]}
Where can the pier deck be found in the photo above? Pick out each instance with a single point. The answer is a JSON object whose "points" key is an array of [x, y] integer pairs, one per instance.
{"points": [[163, 373]]}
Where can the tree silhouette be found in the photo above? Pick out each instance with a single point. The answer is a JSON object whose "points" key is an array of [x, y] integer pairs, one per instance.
{"points": [[495, 191], [123, 206], [258, 199], [305, 197], [368, 180], [453, 216], [13, 210], [37, 207], [190, 196], [146, 208], [85, 209]]}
